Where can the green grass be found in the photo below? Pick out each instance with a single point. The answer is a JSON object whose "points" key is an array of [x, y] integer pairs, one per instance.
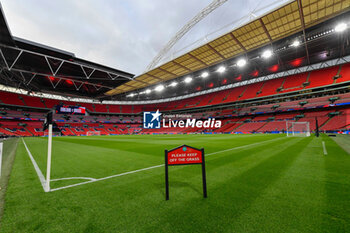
{"points": [[8, 156], [281, 185]]}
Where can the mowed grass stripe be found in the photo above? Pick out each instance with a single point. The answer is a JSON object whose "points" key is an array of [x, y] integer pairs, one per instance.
{"points": [[233, 163], [97, 161], [153, 146], [296, 200], [337, 186], [70, 183], [70, 160], [232, 197], [238, 182]]}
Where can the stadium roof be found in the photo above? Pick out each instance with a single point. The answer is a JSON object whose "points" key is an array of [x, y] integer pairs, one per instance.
{"points": [[291, 18], [36, 67]]}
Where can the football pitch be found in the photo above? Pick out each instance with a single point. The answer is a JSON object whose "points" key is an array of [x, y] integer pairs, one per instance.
{"points": [[256, 183]]}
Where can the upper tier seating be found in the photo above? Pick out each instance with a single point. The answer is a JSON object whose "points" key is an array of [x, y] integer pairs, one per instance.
{"points": [[271, 86], [10, 98], [251, 91], [33, 101], [234, 94], [100, 107], [294, 82], [291, 83], [322, 77], [344, 73]]}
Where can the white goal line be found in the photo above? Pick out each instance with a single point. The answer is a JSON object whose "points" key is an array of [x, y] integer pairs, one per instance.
{"points": [[92, 180], [36, 167]]}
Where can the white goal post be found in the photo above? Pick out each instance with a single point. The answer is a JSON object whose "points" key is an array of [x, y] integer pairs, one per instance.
{"points": [[296, 128], [93, 133]]}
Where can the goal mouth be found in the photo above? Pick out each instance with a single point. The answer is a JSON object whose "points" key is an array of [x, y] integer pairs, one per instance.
{"points": [[298, 129], [93, 133]]}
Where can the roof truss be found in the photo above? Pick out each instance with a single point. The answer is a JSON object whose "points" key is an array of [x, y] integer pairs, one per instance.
{"points": [[291, 18]]}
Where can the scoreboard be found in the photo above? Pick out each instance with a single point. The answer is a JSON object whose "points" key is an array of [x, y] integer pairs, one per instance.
{"points": [[64, 109]]}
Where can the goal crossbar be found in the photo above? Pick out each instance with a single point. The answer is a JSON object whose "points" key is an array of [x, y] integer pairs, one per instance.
{"points": [[93, 133], [296, 128]]}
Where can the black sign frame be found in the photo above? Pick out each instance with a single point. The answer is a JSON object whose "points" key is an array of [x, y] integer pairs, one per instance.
{"points": [[204, 179]]}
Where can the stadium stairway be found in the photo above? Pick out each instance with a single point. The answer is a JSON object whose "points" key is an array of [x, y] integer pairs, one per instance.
{"points": [[337, 75], [344, 74], [225, 127], [31, 134], [7, 132], [67, 131], [340, 121], [322, 77], [324, 123], [273, 126], [239, 125], [257, 130]]}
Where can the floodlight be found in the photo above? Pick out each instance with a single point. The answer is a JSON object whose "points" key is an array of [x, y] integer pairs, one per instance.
{"points": [[341, 27], [173, 84], [204, 74], [241, 62], [296, 43], [188, 80], [159, 88], [267, 54], [148, 91], [221, 69]]}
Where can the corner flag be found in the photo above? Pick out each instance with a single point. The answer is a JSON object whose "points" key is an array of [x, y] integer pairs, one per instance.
{"points": [[48, 120]]}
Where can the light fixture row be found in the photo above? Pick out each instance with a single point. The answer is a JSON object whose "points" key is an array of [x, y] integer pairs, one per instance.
{"points": [[341, 27]]}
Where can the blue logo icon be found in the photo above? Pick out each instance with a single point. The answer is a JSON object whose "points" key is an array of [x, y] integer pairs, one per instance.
{"points": [[151, 120], [184, 148]]}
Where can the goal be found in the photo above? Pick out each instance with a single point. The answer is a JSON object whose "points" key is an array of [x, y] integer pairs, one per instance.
{"points": [[301, 129], [93, 133], [54, 134]]}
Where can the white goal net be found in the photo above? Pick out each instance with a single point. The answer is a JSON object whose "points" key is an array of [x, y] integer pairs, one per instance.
{"points": [[93, 133], [301, 129]]}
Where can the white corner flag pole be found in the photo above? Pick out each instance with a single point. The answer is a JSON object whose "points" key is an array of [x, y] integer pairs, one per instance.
{"points": [[1, 146], [48, 168]]}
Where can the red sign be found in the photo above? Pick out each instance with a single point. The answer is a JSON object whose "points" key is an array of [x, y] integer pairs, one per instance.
{"points": [[184, 155]]}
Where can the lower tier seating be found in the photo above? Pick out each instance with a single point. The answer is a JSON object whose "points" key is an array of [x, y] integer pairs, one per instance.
{"points": [[329, 119]]}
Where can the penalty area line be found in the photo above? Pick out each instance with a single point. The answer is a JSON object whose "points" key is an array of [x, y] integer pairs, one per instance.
{"points": [[160, 165]]}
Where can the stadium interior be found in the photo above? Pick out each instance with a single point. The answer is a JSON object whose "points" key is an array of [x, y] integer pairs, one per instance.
{"points": [[85, 147], [254, 79], [300, 81]]}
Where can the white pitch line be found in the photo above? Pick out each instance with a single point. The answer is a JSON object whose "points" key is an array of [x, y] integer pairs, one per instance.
{"points": [[324, 148], [107, 177], [36, 167], [245, 146], [73, 178], [160, 165]]}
